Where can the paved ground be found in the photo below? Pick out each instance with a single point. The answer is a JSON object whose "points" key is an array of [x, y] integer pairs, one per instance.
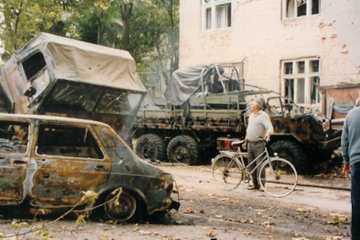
{"points": [[207, 212]]}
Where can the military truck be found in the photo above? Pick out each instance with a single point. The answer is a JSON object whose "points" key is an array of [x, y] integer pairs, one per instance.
{"points": [[205, 110], [55, 75]]}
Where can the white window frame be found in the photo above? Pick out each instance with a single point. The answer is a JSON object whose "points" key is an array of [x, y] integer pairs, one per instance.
{"points": [[290, 8], [303, 73], [215, 14]]}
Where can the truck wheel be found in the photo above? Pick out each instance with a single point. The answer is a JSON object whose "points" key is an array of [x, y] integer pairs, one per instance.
{"points": [[150, 146], [293, 152], [183, 149]]}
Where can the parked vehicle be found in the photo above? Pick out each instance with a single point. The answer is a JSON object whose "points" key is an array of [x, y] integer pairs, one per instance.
{"points": [[205, 110], [46, 162], [54, 75]]}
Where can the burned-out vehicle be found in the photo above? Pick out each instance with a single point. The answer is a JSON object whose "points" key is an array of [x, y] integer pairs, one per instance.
{"points": [[205, 109], [54, 75], [47, 162]]}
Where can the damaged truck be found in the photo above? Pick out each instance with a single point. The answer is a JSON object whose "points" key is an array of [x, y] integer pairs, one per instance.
{"points": [[205, 110], [47, 162], [54, 75]]}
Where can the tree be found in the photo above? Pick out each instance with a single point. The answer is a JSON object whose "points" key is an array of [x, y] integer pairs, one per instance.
{"points": [[167, 46], [94, 22], [23, 19], [147, 29]]}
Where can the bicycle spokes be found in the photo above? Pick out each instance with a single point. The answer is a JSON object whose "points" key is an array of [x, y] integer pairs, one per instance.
{"points": [[227, 171], [278, 177]]}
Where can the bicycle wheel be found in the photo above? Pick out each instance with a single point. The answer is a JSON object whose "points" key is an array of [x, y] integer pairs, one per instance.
{"points": [[227, 171], [278, 177]]}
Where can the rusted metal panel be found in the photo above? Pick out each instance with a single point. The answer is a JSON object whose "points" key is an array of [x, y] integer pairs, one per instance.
{"points": [[12, 179], [59, 181]]}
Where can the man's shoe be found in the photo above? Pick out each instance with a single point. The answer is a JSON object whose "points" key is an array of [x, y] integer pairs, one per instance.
{"points": [[252, 187]]}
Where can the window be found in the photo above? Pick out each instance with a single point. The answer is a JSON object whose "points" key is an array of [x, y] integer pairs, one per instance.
{"points": [[208, 18], [67, 141], [33, 65], [298, 8], [216, 14], [299, 80], [13, 136]]}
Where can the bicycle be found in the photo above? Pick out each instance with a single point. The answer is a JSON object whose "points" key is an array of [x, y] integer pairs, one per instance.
{"points": [[277, 176]]}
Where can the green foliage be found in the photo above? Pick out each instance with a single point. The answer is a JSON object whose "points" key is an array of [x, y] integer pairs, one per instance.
{"points": [[148, 29], [80, 219], [23, 19], [160, 29]]}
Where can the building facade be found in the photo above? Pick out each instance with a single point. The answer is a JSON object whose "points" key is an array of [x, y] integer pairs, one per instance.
{"points": [[288, 46]]}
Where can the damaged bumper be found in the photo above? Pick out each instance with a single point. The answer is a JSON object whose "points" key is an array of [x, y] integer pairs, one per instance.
{"points": [[175, 204]]}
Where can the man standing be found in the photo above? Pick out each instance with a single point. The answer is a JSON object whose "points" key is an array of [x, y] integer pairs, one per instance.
{"points": [[259, 125], [350, 146]]}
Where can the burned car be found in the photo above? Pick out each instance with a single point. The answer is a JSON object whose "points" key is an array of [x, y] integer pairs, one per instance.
{"points": [[48, 162]]}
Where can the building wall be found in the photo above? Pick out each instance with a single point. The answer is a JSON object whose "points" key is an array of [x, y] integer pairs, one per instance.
{"points": [[260, 38]]}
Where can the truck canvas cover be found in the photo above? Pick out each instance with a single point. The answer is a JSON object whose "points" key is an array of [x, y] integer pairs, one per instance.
{"points": [[185, 82], [58, 75]]}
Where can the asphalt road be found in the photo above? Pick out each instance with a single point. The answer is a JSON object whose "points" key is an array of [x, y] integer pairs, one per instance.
{"points": [[321, 197], [208, 213], [323, 192]]}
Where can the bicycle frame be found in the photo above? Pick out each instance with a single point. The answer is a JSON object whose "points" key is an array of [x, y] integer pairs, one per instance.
{"points": [[264, 155]]}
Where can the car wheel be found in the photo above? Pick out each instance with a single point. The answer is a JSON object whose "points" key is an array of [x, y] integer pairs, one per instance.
{"points": [[183, 149], [120, 209], [150, 146]]}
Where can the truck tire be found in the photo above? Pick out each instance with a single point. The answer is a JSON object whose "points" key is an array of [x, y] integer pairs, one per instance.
{"points": [[183, 149], [293, 152], [150, 146]]}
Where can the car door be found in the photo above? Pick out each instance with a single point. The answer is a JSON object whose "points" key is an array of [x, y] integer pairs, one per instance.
{"points": [[14, 160], [70, 160]]}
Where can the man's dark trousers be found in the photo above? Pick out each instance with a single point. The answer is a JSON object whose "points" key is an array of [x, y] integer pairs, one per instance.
{"points": [[355, 201], [254, 150]]}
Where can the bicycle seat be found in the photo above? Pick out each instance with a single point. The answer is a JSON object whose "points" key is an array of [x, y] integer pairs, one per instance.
{"points": [[237, 143]]}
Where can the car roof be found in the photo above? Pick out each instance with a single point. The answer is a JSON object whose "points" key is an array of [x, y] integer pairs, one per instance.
{"points": [[11, 116]]}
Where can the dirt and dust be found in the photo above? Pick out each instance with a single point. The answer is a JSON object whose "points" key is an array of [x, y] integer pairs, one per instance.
{"points": [[308, 213], [207, 212]]}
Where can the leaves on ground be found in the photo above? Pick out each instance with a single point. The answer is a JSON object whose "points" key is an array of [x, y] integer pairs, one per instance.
{"points": [[267, 224], [211, 234], [334, 238], [337, 219], [305, 209], [188, 210]]}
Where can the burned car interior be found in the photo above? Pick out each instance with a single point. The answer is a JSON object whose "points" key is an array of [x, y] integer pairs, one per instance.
{"points": [[67, 141], [13, 136]]}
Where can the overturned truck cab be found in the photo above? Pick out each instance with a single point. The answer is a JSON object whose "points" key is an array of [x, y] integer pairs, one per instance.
{"points": [[54, 75]]}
